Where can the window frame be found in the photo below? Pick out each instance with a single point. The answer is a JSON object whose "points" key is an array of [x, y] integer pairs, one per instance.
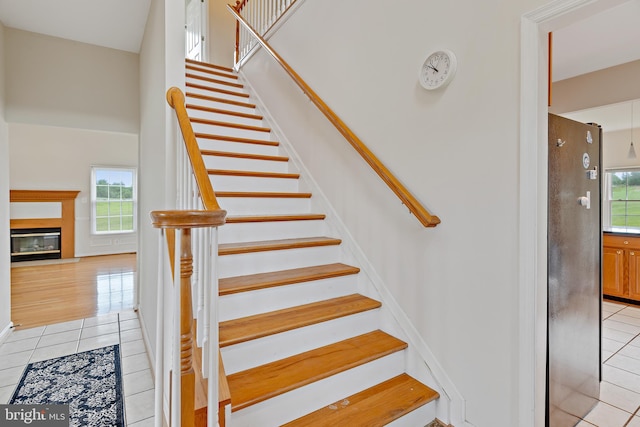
{"points": [[608, 200], [94, 217]]}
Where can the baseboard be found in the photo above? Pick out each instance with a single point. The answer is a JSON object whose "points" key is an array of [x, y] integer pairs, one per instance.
{"points": [[5, 332]]}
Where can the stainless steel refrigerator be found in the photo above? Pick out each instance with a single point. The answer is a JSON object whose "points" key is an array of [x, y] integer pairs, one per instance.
{"points": [[574, 273]]}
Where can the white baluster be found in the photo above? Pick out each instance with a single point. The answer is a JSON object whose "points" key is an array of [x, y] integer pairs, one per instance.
{"points": [[159, 368], [212, 415]]}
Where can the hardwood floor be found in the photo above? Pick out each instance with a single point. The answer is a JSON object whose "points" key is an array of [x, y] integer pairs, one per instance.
{"points": [[46, 294]]}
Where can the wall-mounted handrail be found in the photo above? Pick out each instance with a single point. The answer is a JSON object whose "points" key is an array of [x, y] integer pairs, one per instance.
{"points": [[394, 184], [175, 98]]}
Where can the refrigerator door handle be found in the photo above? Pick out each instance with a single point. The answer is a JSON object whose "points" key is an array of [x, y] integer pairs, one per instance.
{"points": [[585, 200]]}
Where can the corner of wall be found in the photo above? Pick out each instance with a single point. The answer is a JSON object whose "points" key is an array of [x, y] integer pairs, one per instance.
{"points": [[5, 256]]}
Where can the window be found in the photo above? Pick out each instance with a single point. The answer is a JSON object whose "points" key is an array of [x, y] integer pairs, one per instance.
{"points": [[622, 199], [113, 200]]}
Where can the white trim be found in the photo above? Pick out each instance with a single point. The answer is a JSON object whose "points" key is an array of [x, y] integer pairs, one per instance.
{"points": [[454, 406], [532, 283], [5, 332], [94, 197], [204, 30]]}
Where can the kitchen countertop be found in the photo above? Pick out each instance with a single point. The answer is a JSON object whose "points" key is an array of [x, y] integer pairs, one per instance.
{"points": [[622, 231]]}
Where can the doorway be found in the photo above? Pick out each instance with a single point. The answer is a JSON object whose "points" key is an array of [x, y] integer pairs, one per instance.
{"points": [[533, 297], [196, 12]]}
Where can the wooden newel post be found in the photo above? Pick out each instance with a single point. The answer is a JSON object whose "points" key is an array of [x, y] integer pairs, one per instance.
{"points": [[185, 221], [187, 376]]}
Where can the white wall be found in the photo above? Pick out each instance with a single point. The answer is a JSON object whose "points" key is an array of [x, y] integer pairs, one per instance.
{"points": [[77, 104], [222, 33], [161, 66], [58, 82], [59, 158], [603, 87], [5, 255], [456, 149], [615, 149]]}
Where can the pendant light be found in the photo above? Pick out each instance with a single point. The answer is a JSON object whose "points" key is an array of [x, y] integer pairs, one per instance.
{"points": [[632, 151]]}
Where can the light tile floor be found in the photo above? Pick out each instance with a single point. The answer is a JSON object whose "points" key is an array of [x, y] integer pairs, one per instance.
{"points": [[31, 345], [619, 404]]}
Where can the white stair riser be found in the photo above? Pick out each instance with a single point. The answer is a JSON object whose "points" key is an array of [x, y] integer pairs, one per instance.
{"points": [[264, 205], [240, 164], [418, 417], [238, 147], [233, 96], [247, 183], [227, 77], [218, 104], [246, 355], [262, 262], [230, 131], [248, 232], [245, 304], [296, 403], [194, 112], [215, 84]]}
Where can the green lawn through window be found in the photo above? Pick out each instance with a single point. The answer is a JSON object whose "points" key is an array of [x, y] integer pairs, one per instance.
{"points": [[114, 215], [625, 208]]}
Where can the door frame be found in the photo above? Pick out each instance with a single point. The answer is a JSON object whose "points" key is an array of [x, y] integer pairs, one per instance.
{"points": [[532, 280]]}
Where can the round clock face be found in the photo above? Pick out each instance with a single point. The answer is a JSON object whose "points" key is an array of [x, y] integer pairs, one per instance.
{"points": [[438, 70]]}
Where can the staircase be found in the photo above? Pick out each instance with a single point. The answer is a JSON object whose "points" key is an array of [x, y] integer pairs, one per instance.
{"points": [[301, 345]]}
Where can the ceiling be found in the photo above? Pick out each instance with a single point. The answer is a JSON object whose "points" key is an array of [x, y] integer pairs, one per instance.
{"points": [[603, 40], [600, 41], [117, 24]]}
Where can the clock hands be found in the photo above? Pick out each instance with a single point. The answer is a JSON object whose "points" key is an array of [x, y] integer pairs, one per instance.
{"points": [[432, 67]]}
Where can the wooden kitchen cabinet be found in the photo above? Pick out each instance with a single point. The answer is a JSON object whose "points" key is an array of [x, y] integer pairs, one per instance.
{"points": [[621, 266], [613, 271]]}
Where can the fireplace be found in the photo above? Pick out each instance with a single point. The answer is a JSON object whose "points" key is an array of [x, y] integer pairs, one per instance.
{"points": [[64, 224], [29, 244]]}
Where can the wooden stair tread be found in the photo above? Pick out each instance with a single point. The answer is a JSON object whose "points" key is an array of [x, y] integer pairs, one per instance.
{"points": [[254, 174], [215, 89], [221, 111], [263, 194], [222, 100], [209, 65], [244, 155], [374, 407], [274, 245], [228, 124], [211, 71], [239, 219], [261, 325], [212, 80], [250, 282], [236, 139], [263, 382]]}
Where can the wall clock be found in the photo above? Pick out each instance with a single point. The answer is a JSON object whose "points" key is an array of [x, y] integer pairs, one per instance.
{"points": [[438, 69]]}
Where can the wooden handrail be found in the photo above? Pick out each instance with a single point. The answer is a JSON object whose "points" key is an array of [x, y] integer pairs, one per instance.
{"points": [[394, 184], [175, 98]]}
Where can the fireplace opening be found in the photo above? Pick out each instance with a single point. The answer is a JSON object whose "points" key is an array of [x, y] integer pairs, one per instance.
{"points": [[29, 244]]}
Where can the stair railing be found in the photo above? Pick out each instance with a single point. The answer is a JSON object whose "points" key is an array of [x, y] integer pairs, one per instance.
{"points": [[415, 207], [262, 15], [187, 282]]}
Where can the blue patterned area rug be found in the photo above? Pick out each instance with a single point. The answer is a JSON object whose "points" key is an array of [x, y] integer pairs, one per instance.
{"points": [[89, 382]]}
